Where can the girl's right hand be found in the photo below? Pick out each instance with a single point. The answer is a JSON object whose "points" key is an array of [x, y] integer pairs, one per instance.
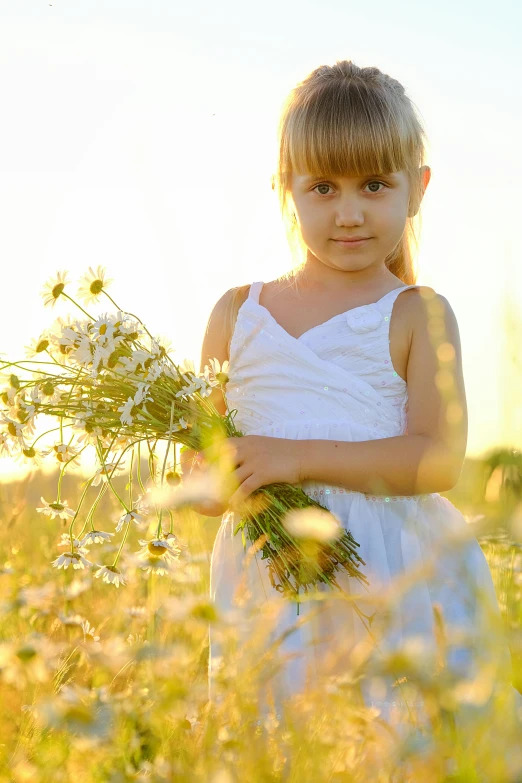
{"points": [[190, 462]]}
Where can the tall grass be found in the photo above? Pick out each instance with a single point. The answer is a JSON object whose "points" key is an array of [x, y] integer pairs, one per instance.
{"points": [[125, 696]]}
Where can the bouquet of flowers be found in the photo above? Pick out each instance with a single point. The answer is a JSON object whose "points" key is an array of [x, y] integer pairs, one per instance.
{"points": [[116, 390]]}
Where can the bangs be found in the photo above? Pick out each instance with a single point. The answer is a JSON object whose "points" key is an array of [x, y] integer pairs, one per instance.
{"points": [[353, 132]]}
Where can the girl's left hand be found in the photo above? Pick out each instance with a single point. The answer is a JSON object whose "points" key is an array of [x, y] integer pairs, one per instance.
{"points": [[259, 460]]}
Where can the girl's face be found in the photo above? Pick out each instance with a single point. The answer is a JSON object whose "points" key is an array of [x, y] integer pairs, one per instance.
{"points": [[375, 207]]}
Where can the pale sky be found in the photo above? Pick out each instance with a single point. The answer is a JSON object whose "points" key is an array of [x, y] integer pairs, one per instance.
{"points": [[143, 136]]}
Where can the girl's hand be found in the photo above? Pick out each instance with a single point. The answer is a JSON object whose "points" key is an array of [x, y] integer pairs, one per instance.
{"points": [[258, 460]]}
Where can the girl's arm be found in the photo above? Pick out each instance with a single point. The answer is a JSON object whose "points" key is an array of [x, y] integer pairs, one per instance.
{"points": [[214, 346], [430, 456]]}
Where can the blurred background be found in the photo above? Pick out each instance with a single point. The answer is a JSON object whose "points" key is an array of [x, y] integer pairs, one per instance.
{"points": [[143, 138]]}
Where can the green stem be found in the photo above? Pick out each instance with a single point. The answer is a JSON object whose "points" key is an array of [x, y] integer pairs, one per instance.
{"points": [[164, 466], [100, 454], [78, 306], [62, 472]]}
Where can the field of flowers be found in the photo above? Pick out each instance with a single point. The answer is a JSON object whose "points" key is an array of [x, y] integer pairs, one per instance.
{"points": [[109, 683], [105, 604]]}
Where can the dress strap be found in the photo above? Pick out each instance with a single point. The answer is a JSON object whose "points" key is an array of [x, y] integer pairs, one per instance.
{"points": [[391, 296], [255, 290]]}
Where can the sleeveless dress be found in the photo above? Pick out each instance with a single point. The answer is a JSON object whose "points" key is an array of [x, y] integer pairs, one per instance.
{"points": [[337, 382]]}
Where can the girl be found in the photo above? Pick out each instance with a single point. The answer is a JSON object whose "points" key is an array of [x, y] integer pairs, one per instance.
{"points": [[347, 379]]}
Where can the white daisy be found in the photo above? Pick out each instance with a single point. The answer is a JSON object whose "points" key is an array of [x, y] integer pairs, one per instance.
{"points": [[96, 537], [89, 632], [110, 575], [5, 444], [18, 429], [46, 393], [159, 547], [56, 509], [130, 516], [63, 452], [30, 456], [92, 284], [65, 540], [84, 352], [126, 412], [110, 469], [74, 559], [219, 372], [103, 328], [141, 394], [155, 565], [101, 354], [197, 385], [54, 288], [37, 346], [8, 396], [140, 358]]}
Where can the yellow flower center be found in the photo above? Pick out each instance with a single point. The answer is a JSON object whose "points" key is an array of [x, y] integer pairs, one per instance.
{"points": [[30, 452], [57, 290], [43, 345], [103, 328], [11, 428], [96, 287], [155, 549]]}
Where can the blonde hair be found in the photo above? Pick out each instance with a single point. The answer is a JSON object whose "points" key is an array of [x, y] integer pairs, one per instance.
{"points": [[343, 120]]}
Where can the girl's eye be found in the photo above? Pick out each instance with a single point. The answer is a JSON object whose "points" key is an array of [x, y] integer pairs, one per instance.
{"points": [[373, 182]]}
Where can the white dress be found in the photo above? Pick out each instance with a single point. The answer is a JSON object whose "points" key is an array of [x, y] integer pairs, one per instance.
{"points": [[337, 382]]}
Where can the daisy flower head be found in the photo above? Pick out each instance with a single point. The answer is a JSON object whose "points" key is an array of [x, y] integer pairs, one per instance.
{"points": [[30, 456], [104, 328], [187, 366], [156, 556], [159, 547], [63, 452], [162, 346], [89, 632], [46, 392], [8, 396], [74, 558], [106, 472], [65, 540], [96, 537], [56, 509], [5, 444], [110, 575], [130, 516], [218, 372], [38, 345], [54, 288], [92, 284]]}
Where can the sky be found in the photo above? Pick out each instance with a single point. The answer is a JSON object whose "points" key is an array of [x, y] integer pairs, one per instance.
{"points": [[143, 137]]}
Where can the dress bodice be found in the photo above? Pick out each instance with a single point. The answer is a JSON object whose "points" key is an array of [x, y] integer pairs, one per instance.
{"points": [[339, 371]]}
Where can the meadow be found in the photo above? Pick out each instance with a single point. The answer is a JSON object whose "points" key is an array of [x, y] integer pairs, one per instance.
{"points": [[104, 683]]}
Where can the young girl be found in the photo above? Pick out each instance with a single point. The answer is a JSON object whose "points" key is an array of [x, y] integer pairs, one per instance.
{"points": [[347, 380]]}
